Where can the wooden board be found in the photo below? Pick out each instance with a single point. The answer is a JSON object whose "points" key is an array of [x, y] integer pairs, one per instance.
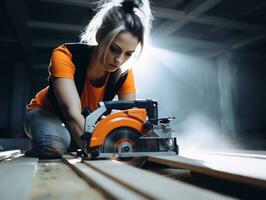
{"points": [[55, 180], [246, 154], [9, 154], [245, 170], [16, 178], [110, 188], [172, 172], [151, 185]]}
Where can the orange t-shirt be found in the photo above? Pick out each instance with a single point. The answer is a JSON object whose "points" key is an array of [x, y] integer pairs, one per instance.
{"points": [[61, 66]]}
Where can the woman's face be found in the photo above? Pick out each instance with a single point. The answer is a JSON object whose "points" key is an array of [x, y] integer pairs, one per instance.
{"points": [[121, 49]]}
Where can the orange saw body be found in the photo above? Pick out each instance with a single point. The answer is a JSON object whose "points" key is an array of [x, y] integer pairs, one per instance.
{"points": [[133, 118], [130, 134]]}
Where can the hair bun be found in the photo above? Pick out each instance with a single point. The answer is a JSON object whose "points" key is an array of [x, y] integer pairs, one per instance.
{"points": [[129, 5]]}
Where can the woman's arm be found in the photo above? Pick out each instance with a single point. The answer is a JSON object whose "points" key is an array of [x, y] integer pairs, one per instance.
{"points": [[69, 103]]}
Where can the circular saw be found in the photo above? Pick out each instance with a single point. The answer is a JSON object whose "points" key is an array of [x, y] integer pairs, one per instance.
{"points": [[130, 134], [125, 140]]}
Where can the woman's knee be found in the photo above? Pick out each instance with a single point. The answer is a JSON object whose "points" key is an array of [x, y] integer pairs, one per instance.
{"points": [[49, 141], [49, 148], [49, 137]]}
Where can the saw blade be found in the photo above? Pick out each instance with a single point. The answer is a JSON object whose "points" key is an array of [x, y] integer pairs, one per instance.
{"points": [[125, 140]]}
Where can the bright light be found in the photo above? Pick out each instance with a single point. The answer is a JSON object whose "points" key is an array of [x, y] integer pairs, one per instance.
{"points": [[74, 161], [185, 87], [117, 162]]}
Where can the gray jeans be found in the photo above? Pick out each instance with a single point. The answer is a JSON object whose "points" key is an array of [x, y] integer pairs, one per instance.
{"points": [[49, 137]]}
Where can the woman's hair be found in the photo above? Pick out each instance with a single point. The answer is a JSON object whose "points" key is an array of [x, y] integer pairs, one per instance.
{"points": [[114, 17]]}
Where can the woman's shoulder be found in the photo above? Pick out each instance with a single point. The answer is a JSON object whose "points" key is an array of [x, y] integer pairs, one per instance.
{"points": [[73, 50], [73, 47], [79, 50], [78, 47]]}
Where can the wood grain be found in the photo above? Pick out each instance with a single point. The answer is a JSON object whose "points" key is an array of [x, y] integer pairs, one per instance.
{"points": [[16, 178], [110, 188], [150, 184], [55, 180], [245, 170], [9, 154]]}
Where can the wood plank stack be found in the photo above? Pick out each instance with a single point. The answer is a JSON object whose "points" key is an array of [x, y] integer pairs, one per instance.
{"points": [[9, 154], [72, 178], [135, 183]]}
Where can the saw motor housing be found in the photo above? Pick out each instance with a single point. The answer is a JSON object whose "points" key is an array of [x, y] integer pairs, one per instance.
{"points": [[139, 117]]}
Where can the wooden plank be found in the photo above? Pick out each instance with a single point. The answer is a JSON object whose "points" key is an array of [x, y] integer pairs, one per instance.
{"points": [[9, 154], [246, 154], [55, 180], [258, 152], [153, 185], [110, 188], [14, 143], [249, 171], [173, 172], [16, 178]]}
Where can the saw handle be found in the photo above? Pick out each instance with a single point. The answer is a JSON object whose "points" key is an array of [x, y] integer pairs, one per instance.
{"points": [[119, 105], [150, 105]]}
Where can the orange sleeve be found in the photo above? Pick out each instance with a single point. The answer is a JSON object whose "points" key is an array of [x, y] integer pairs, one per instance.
{"points": [[61, 65], [129, 84]]}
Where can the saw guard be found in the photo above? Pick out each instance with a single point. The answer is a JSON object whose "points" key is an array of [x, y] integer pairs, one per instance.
{"points": [[133, 118]]}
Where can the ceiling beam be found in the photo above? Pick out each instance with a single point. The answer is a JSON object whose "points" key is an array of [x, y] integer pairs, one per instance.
{"points": [[237, 43], [10, 55], [248, 54], [175, 3], [176, 15], [17, 13], [244, 41], [195, 8], [242, 14], [189, 43], [4, 39], [211, 49], [40, 66], [81, 3], [255, 7], [54, 26], [11, 49], [170, 41], [74, 28], [44, 43]]}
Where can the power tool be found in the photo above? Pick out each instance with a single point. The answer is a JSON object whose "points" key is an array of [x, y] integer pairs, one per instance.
{"points": [[129, 131]]}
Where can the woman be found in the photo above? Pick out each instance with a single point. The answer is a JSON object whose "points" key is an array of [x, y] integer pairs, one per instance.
{"points": [[83, 74]]}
